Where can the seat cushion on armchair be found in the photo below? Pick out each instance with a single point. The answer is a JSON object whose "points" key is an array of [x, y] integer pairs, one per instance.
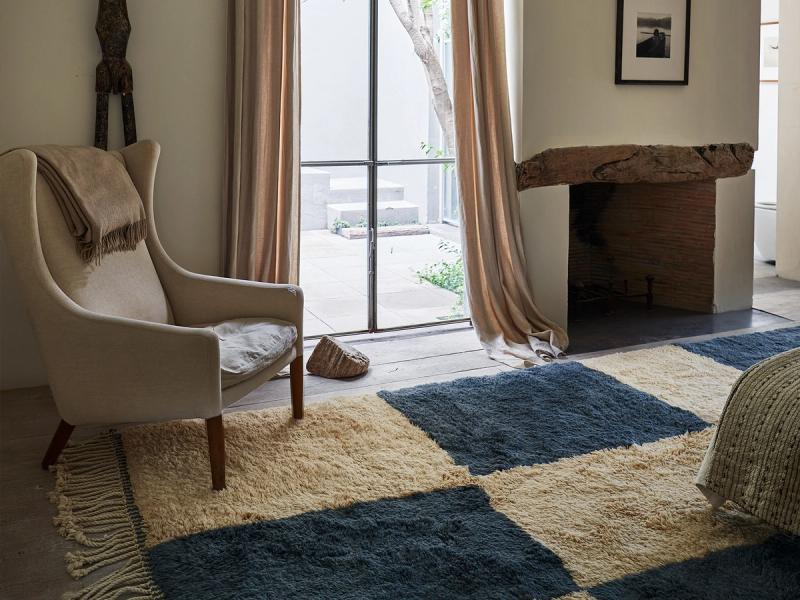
{"points": [[246, 346]]}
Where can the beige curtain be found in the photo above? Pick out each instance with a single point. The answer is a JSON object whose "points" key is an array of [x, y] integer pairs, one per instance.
{"points": [[261, 226], [505, 317]]}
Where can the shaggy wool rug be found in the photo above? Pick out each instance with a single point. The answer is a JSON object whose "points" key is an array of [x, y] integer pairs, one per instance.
{"points": [[570, 481]]}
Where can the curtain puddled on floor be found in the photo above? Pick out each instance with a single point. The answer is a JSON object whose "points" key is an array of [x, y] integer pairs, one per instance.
{"points": [[261, 229], [505, 317]]}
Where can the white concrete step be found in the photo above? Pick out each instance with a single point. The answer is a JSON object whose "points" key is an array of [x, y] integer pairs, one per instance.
{"points": [[396, 212]]}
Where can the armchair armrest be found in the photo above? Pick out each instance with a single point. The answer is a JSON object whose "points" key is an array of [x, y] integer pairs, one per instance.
{"points": [[206, 299], [106, 369]]}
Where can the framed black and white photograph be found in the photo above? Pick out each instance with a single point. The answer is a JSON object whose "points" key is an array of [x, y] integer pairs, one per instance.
{"points": [[653, 42]]}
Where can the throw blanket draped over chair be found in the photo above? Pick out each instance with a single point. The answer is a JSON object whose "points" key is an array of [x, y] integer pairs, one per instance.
{"points": [[754, 459], [100, 204]]}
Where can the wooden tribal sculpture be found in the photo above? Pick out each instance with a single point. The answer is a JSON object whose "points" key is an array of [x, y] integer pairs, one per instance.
{"points": [[114, 74]]}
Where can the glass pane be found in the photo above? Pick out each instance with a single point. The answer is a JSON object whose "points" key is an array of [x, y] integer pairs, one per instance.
{"points": [[333, 249], [410, 117], [334, 79], [420, 272]]}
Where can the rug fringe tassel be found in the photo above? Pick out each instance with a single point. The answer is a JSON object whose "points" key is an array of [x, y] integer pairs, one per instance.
{"points": [[92, 499], [132, 582]]}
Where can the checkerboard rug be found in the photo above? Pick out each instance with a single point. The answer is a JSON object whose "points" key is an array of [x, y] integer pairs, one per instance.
{"points": [[569, 481]]}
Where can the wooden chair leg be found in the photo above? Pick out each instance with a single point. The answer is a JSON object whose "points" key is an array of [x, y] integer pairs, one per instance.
{"points": [[216, 451], [60, 439], [296, 376]]}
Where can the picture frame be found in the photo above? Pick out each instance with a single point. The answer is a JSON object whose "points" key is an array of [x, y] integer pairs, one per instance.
{"points": [[768, 61], [652, 45]]}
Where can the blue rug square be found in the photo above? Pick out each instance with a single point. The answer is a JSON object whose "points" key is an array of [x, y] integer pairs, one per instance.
{"points": [[537, 415], [743, 351], [768, 571], [445, 544]]}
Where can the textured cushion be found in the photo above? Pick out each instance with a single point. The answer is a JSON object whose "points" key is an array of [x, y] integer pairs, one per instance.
{"points": [[124, 284], [246, 346]]}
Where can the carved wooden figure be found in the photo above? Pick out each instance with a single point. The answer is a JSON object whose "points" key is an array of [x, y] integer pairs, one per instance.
{"points": [[114, 74]]}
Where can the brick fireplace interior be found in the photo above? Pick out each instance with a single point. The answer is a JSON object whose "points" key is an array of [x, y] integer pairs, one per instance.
{"points": [[623, 233]]}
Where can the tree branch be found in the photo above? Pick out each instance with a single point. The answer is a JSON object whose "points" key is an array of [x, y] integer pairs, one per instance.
{"points": [[417, 25]]}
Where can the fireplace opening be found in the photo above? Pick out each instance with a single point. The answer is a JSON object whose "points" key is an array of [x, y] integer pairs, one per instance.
{"points": [[638, 246]]}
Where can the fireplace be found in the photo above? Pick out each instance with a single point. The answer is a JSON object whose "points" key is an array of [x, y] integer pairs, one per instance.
{"points": [[604, 223], [646, 242]]}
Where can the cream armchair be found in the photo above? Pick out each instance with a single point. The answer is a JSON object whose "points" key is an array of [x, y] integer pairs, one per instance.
{"points": [[130, 340]]}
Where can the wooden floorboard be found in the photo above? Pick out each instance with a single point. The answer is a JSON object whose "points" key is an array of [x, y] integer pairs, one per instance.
{"points": [[379, 375]]}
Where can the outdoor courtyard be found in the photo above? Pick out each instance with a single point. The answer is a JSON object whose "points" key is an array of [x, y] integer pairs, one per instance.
{"points": [[333, 275]]}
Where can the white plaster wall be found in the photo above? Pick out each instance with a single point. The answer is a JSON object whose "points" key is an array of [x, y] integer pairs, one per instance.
{"points": [[547, 254], [514, 10], [788, 217], [765, 163], [569, 98], [733, 250], [48, 53]]}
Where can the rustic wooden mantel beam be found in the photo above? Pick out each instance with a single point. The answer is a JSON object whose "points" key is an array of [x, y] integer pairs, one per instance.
{"points": [[633, 164]]}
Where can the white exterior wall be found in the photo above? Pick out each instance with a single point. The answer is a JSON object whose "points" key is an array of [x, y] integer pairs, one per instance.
{"points": [[335, 92]]}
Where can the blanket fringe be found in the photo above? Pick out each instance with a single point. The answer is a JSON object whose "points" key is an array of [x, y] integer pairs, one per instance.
{"points": [[124, 238], [95, 509]]}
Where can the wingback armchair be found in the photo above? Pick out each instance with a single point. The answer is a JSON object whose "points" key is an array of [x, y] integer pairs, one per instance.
{"points": [[137, 338]]}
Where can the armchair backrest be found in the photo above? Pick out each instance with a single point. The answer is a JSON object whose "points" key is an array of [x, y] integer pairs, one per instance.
{"points": [[124, 284]]}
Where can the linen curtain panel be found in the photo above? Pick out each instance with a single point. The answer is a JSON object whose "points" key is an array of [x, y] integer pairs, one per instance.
{"points": [[508, 324], [261, 225]]}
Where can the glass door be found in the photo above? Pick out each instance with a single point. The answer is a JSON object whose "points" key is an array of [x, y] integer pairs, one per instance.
{"points": [[380, 245]]}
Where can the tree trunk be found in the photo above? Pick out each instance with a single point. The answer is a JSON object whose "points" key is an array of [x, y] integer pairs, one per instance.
{"points": [[417, 26]]}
